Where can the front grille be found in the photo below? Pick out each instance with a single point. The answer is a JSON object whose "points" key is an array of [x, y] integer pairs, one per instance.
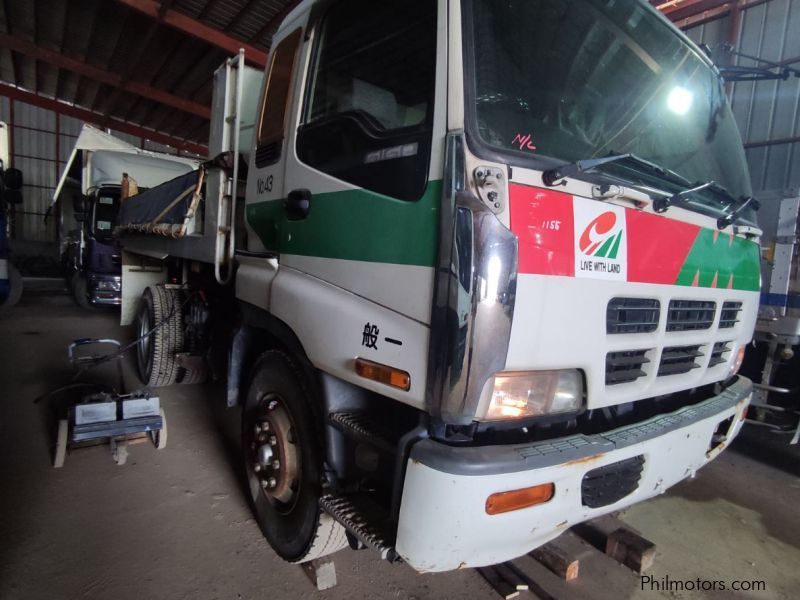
{"points": [[624, 367], [690, 315], [730, 314], [718, 353], [611, 483], [632, 315], [678, 359]]}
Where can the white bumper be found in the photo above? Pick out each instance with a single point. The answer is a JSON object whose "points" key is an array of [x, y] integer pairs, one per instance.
{"points": [[443, 522]]}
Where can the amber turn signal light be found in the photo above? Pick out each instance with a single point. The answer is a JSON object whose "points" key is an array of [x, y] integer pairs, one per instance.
{"points": [[503, 502], [383, 374]]}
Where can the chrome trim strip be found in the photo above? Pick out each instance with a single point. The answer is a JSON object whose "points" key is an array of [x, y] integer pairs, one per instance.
{"points": [[474, 294]]}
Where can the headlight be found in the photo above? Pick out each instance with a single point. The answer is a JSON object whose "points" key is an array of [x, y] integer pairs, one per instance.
{"points": [[533, 393], [737, 364], [107, 286]]}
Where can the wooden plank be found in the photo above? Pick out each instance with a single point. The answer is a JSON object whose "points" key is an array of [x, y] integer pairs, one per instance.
{"points": [[558, 559], [512, 578], [503, 587], [631, 549], [534, 587]]}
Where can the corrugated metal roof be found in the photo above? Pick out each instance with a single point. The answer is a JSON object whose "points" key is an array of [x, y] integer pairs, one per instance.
{"points": [[766, 111], [120, 40]]}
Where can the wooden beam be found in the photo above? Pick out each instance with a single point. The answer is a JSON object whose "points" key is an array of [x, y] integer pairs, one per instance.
{"points": [[77, 112], [195, 28], [22, 46]]}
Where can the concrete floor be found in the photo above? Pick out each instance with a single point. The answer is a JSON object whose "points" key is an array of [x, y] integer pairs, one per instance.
{"points": [[176, 524]]}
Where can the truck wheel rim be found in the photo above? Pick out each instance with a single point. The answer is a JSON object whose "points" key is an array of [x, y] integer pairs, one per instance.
{"points": [[274, 452]]}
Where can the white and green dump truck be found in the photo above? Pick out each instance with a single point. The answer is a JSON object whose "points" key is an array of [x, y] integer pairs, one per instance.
{"points": [[475, 271]]}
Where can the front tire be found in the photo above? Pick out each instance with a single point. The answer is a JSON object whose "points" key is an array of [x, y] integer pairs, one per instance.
{"points": [[15, 287], [283, 462], [80, 291]]}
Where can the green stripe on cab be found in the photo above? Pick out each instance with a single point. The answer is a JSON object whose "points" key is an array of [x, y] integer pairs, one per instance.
{"points": [[355, 225]]}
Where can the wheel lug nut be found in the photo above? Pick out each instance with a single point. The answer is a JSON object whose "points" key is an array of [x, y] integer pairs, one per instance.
{"points": [[273, 440], [265, 426], [276, 464], [272, 482], [257, 468], [262, 438], [258, 429]]}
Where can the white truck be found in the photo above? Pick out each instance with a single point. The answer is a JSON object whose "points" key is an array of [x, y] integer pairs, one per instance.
{"points": [[92, 180], [490, 272]]}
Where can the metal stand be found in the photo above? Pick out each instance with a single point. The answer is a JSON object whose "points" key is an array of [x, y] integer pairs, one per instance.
{"points": [[109, 416]]}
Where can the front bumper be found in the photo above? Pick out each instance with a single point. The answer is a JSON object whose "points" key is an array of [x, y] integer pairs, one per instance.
{"points": [[443, 522], [105, 290]]}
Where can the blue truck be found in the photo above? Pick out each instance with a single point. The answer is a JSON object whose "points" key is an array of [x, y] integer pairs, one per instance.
{"points": [[10, 194]]}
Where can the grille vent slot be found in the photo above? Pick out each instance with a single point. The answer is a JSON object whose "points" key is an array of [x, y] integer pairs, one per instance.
{"points": [[718, 353], [268, 154], [730, 314], [625, 366], [632, 315], [690, 315], [679, 359]]}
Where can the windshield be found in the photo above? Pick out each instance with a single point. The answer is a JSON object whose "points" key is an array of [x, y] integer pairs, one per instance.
{"points": [[591, 78], [106, 211]]}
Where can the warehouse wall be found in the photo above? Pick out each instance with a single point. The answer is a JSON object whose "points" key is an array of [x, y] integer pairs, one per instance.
{"points": [[41, 143], [768, 112]]}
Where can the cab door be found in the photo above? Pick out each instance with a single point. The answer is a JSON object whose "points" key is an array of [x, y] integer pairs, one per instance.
{"points": [[363, 177], [266, 183]]}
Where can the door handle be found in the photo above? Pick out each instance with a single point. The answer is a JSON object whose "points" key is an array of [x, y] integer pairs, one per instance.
{"points": [[297, 204]]}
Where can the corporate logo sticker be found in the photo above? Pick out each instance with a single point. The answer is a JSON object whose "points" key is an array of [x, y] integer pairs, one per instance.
{"points": [[601, 245]]}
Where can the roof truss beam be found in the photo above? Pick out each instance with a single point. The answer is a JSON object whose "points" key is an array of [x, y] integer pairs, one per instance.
{"points": [[30, 49], [96, 118], [195, 28]]}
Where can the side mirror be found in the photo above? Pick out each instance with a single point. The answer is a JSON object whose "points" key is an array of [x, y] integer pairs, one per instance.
{"points": [[79, 204], [12, 179]]}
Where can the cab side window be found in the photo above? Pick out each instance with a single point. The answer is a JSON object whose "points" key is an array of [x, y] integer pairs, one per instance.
{"points": [[369, 104], [276, 99]]}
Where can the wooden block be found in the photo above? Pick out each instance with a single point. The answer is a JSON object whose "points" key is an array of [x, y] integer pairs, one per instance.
{"points": [[631, 549], [504, 588], [321, 572], [596, 531], [505, 573], [558, 559], [534, 587]]}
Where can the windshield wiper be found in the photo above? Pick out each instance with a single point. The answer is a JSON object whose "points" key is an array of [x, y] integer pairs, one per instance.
{"points": [[733, 217], [552, 177], [661, 205]]}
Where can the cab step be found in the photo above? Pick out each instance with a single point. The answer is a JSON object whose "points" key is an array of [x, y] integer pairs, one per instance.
{"points": [[358, 426], [365, 520]]}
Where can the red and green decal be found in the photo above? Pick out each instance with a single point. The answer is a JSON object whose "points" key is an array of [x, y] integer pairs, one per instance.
{"points": [[658, 249]]}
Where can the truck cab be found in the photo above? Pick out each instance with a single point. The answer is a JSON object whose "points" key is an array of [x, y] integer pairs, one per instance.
{"points": [[500, 266], [92, 257]]}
